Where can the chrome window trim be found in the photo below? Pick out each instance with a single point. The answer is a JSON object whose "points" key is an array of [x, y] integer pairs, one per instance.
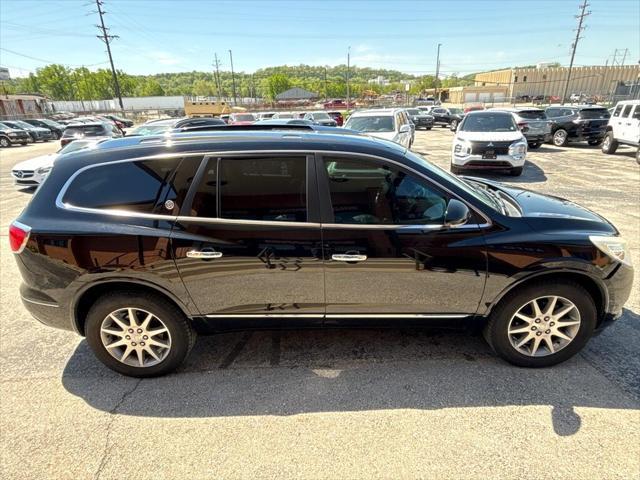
{"points": [[235, 221], [226, 153]]}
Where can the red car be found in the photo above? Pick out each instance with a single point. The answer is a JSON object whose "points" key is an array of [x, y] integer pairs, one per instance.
{"points": [[473, 108], [337, 116], [241, 119], [338, 103]]}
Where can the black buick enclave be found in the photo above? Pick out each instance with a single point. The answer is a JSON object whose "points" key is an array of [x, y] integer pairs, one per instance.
{"points": [[142, 242]]}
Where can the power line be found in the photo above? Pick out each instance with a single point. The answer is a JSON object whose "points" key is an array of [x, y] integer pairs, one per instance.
{"points": [[580, 18], [51, 61], [106, 38]]}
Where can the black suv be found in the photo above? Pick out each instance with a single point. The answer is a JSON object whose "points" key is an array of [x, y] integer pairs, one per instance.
{"points": [[142, 242], [55, 128], [571, 123]]}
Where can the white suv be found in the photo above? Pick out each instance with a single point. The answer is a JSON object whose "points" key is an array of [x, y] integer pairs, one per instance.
{"points": [[387, 123], [489, 139], [623, 127]]}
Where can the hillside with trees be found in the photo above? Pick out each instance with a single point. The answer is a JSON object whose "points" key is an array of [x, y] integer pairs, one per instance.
{"points": [[62, 83]]}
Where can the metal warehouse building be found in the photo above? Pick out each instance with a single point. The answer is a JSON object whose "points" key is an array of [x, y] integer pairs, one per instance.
{"points": [[592, 81]]}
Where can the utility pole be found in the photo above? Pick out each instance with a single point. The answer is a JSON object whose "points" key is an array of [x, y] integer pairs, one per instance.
{"points": [[233, 79], [217, 76], [348, 72], [583, 13], [326, 87], [437, 71], [626, 50], [106, 38]]}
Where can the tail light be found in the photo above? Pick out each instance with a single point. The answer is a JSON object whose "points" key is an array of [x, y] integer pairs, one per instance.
{"points": [[18, 236]]}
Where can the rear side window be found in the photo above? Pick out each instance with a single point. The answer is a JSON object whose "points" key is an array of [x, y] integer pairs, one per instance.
{"points": [[137, 186], [595, 113], [626, 111], [616, 112], [636, 112], [268, 189]]}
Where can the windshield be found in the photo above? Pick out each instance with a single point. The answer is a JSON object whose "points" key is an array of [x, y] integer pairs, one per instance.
{"points": [[151, 129], [22, 124], [247, 117], [283, 115], [456, 111], [75, 145], [51, 123], [371, 124], [321, 116], [594, 113], [414, 111], [489, 122], [533, 115]]}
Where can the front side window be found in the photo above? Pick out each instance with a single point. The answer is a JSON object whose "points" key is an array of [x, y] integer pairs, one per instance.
{"points": [[636, 112], [137, 186], [270, 189], [374, 193]]}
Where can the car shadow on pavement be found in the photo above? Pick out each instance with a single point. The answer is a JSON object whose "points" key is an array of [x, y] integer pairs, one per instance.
{"points": [[532, 173], [312, 371]]}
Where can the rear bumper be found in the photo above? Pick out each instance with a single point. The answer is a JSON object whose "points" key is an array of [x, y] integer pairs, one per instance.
{"points": [[46, 310]]}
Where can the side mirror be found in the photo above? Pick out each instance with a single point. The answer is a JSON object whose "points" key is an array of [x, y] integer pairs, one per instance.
{"points": [[405, 128], [457, 213]]}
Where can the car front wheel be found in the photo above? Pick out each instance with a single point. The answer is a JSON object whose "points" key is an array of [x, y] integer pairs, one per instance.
{"points": [[542, 324], [454, 125], [139, 335], [4, 142]]}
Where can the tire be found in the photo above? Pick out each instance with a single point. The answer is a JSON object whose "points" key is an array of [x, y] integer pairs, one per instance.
{"points": [[429, 128], [180, 337], [560, 137], [496, 331], [516, 171], [454, 125], [609, 144], [534, 145], [593, 143], [456, 170], [5, 142]]}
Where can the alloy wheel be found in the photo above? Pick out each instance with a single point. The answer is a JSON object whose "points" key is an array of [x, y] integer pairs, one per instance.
{"points": [[4, 142], [559, 138], [544, 326], [135, 337]]}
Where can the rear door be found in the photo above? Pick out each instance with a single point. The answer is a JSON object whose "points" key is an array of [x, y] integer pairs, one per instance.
{"points": [[248, 245], [386, 251]]}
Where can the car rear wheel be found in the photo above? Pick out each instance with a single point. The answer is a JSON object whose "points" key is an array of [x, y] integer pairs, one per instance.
{"points": [[4, 142], [609, 144], [560, 138], [542, 324], [139, 335]]}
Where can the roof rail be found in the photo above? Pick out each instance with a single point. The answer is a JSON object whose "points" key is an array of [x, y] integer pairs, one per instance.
{"points": [[258, 127]]}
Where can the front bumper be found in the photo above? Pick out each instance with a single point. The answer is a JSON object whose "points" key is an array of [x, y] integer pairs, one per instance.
{"points": [[479, 163], [19, 140], [618, 285]]}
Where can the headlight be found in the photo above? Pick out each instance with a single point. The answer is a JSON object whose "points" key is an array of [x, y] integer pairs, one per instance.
{"points": [[613, 247], [461, 148], [518, 149]]}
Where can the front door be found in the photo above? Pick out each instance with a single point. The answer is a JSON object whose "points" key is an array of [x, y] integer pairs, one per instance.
{"points": [[386, 249], [248, 246]]}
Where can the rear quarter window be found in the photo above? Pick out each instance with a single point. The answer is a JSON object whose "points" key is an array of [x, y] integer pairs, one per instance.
{"points": [[136, 186]]}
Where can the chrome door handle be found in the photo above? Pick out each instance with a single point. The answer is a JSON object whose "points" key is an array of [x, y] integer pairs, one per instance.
{"points": [[346, 257], [206, 254]]}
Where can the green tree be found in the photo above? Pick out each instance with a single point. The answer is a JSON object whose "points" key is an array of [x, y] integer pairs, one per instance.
{"points": [[276, 84], [149, 88]]}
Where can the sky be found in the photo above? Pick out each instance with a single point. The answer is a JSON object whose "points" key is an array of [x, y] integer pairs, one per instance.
{"points": [[157, 36]]}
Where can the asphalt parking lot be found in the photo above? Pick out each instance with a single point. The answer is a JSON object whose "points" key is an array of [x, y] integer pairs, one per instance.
{"points": [[333, 404]]}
